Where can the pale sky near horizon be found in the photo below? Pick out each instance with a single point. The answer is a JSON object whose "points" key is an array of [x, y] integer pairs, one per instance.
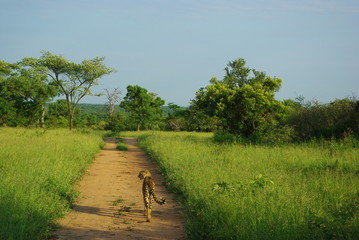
{"points": [[173, 48]]}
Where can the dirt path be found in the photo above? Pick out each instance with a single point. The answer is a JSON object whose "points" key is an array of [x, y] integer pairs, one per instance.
{"points": [[112, 178]]}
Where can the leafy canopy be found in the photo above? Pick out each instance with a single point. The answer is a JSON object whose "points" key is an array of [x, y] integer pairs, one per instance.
{"points": [[24, 92], [144, 108], [73, 80], [243, 102]]}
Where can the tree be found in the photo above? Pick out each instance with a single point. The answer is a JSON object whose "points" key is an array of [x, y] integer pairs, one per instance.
{"points": [[143, 108], [24, 92], [114, 120], [7, 109], [35, 90], [113, 98], [73, 80], [243, 102], [176, 119], [57, 114]]}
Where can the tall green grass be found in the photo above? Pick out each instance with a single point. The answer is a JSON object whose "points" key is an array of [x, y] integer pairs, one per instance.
{"points": [[38, 169], [259, 192]]}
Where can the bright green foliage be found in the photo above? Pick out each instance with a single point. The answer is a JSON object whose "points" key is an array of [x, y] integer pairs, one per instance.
{"points": [[38, 169], [143, 108], [7, 109], [57, 114], [73, 80], [86, 115], [243, 102], [24, 92], [121, 145], [257, 192]]}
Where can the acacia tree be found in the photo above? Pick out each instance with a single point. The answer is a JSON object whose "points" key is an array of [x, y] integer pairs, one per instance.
{"points": [[144, 108], [243, 102], [73, 80]]}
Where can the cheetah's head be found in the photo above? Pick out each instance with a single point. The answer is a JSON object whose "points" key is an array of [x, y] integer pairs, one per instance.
{"points": [[144, 173]]}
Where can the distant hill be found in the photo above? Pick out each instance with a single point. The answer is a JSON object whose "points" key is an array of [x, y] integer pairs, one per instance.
{"points": [[87, 108]]}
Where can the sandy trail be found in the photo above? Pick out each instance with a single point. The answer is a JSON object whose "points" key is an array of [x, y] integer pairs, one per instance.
{"points": [[112, 177]]}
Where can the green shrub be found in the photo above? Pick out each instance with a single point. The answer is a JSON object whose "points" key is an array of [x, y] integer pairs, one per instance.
{"points": [[278, 135], [122, 147], [224, 137]]}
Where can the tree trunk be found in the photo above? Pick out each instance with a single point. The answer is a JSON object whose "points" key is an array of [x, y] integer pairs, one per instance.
{"points": [[43, 116], [70, 110], [71, 119]]}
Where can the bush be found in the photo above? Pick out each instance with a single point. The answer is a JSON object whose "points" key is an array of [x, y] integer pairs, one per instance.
{"points": [[326, 120], [121, 145], [224, 138], [279, 135]]}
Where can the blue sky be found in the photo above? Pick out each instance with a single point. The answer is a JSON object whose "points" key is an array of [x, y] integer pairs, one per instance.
{"points": [[174, 47]]}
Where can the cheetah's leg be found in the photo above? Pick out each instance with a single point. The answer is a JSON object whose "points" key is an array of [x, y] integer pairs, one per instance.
{"points": [[149, 214], [146, 202], [149, 209]]}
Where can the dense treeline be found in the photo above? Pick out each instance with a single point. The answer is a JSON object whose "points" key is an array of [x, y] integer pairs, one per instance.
{"points": [[302, 121], [337, 119], [242, 105]]}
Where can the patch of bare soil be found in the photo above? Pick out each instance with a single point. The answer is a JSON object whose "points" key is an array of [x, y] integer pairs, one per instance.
{"points": [[110, 205]]}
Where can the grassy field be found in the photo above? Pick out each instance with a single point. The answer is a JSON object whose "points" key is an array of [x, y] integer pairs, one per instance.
{"points": [[260, 192], [37, 171]]}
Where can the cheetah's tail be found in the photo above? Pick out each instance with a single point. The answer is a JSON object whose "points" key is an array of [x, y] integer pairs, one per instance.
{"points": [[160, 201]]}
